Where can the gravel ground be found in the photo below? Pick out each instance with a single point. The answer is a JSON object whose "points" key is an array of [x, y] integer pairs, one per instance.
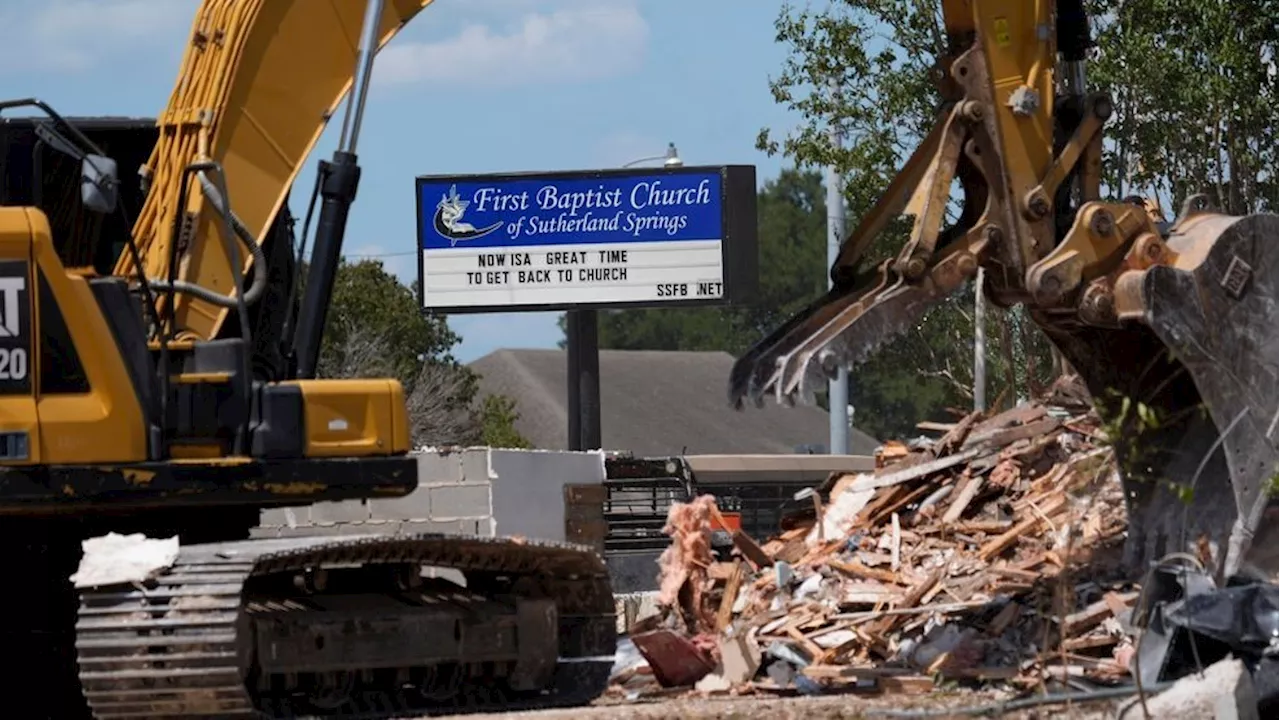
{"points": [[839, 707]]}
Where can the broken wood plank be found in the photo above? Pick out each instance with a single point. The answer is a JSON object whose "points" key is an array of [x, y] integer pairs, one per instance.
{"points": [[792, 551], [947, 608], [814, 649], [1090, 642], [722, 570], [1016, 416], [835, 672], [1002, 543], [1120, 604], [969, 488], [855, 569], [751, 550], [956, 436], [898, 477], [898, 504], [1004, 438], [731, 587], [1092, 616]]}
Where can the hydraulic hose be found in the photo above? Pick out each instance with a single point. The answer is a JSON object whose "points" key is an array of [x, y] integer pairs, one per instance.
{"points": [[241, 233]]}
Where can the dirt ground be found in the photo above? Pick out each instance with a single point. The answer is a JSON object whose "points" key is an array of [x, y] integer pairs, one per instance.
{"points": [[830, 707]]}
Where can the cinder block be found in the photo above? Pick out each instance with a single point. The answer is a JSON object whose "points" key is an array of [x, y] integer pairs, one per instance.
{"points": [[365, 528], [472, 500], [264, 532], [414, 506], [345, 511], [476, 466], [285, 517], [415, 527], [437, 468], [309, 531], [475, 526]]}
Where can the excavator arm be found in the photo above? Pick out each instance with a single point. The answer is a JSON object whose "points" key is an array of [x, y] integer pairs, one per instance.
{"points": [[1179, 319], [999, 151], [258, 84]]}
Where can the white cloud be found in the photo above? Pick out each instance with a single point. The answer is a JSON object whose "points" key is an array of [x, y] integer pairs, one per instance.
{"points": [[75, 35], [580, 41]]}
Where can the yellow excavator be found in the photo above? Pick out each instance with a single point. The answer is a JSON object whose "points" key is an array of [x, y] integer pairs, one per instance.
{"points": [[158, 360], [1173, 327]]}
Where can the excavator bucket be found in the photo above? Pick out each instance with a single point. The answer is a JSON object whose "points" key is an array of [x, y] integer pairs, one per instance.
{"points": [[1188, 387]]}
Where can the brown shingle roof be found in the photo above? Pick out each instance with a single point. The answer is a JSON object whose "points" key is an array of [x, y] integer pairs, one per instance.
{"points": [[653, 403]]}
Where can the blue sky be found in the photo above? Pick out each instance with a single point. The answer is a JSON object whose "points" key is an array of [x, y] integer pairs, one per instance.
{"points": [[468, 86]]}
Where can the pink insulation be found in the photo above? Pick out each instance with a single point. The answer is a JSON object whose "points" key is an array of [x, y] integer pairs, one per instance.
{"points": [[687, 558]]}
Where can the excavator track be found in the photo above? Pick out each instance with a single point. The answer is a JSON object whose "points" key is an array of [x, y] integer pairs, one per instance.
{"points": [[246, 630]]}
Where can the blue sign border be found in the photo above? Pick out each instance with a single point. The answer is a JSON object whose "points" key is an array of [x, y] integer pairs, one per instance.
{"points": [[737, 230], [530, 213]]}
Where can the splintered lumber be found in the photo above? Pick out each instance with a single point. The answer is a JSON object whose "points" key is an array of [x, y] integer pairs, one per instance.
{"points": [[750, 549], [918, 471], [731, 587], [944, 566]]}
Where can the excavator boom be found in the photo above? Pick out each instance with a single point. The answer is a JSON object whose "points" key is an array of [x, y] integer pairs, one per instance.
{"points": [[259, 81], [1177, 319]]}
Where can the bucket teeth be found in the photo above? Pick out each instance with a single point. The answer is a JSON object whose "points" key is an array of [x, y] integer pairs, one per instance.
{"points": [[839, 330]]}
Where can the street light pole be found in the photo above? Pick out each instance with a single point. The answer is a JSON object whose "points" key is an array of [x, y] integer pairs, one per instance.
{"points": [[979, 343], [582, 346], [669, 159], [837, 387]]}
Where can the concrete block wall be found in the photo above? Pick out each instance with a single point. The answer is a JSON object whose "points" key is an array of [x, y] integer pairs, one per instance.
{"points": [[473, 491], [528, 489], [454, 495]]}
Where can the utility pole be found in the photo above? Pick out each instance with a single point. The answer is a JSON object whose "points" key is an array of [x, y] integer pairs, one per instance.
{"points": [[837, 388]]}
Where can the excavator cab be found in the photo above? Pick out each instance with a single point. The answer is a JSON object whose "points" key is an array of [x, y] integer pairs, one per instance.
{"points": [[1173, 327], [79, 359]]}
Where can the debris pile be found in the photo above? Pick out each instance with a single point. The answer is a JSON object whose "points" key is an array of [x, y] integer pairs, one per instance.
{"points": [[961, 559]]}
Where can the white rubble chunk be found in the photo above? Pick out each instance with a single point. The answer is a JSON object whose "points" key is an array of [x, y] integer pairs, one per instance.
{"points": [[1223, 692], [116, 559]]}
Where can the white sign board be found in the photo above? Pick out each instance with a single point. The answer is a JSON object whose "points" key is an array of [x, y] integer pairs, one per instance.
{"points": [[606, 238]]}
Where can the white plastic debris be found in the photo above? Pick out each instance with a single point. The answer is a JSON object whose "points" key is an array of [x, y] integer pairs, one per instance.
{"points": [[811, 586], [626, 657], [116, 559]]}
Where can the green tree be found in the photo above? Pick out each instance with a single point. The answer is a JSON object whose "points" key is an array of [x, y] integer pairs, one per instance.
{"points": [[376, 329], [1194, 90]]}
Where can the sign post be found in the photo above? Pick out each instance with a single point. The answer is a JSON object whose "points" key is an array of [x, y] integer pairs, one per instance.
{"points": [[582, 345], [631, 238]]}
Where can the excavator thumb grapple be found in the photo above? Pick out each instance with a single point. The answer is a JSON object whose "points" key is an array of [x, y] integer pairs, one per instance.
{"points": [[1173, 327]]}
